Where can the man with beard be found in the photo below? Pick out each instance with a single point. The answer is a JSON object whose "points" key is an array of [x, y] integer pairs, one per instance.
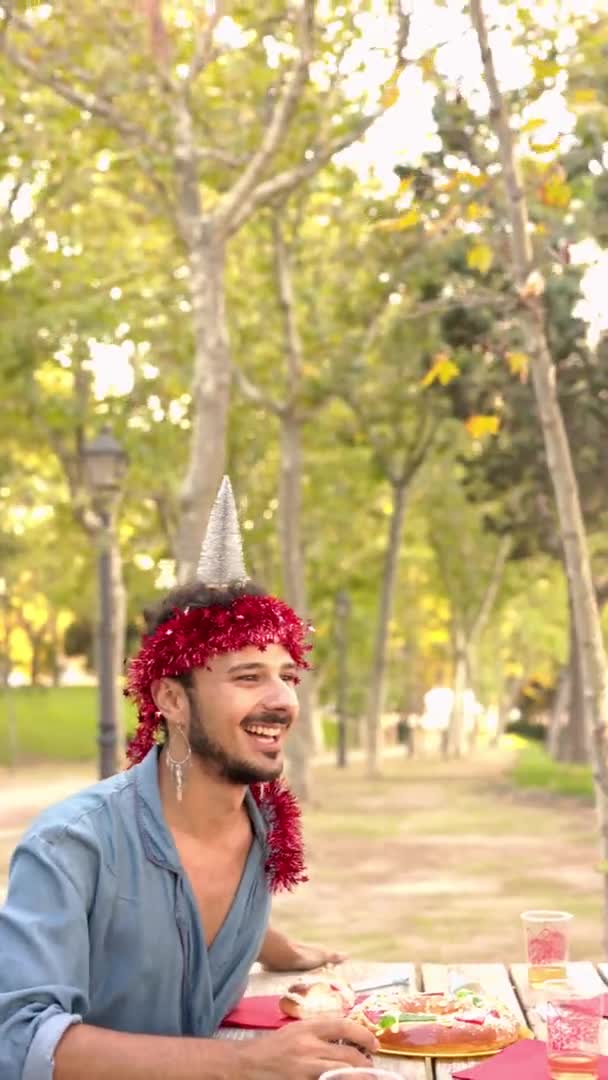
{"points": [[136, 908]]}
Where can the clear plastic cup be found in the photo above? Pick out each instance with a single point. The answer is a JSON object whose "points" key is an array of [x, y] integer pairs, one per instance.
{"points": [[547, 936], [573, 1016]]}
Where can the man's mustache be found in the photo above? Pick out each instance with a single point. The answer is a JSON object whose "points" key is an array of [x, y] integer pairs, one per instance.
{"points": [[268, 718]]}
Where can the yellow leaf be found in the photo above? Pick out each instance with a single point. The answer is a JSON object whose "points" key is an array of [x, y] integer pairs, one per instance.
{"points": [[585, 95], [545, 148], [545, 69], [405, 185], [476, 180], [532, 125], [443, 371], [390, 90], [475, 211], [480, 258], [478, 426], [389, 97], [555, 192], [519, 363], [406, 221], [426, 64]]}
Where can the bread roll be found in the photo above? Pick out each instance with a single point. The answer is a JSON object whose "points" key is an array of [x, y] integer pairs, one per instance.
{"points": [[303, 1000]]}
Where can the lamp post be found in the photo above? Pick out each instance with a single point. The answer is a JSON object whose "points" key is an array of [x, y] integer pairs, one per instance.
{"points": [[342, 613], [105, 464]]}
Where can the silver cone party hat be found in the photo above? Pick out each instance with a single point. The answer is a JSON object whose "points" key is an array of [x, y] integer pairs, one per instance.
{"points": [[221, 560]]}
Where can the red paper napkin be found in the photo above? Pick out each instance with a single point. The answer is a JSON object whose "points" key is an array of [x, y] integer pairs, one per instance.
{"points": [[527, 1058], [260, 1012], [257, 1012]]}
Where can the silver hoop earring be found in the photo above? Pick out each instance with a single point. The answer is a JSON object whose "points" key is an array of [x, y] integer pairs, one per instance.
{"points": [[177, 768]]}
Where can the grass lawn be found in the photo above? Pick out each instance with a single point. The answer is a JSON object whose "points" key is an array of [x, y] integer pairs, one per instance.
{"points": [[55, 724], [534, 769], [59, 724]]}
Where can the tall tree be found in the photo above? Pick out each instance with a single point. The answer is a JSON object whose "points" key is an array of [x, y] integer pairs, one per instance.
{"points": [[291, 415], [170, 108], [530, 286]]}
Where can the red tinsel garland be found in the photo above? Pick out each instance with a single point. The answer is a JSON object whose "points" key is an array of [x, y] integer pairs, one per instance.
{"points": [[285, 860], [189, 640]]}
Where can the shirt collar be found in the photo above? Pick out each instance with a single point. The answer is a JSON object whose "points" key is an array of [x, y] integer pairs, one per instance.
{"points": [[156, 836]]}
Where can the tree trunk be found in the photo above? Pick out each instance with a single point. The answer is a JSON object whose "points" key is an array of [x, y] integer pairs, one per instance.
{"points": [[594, 669], [509, 691], [342, 613], [456, 731], [36, 643], [210, 397], [304, 739], [55, 651], [572, 742], [559, 713], [301, 740], [378, 673]]}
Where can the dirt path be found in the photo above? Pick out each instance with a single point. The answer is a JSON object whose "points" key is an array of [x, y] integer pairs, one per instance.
{"points": [[434, 861]]}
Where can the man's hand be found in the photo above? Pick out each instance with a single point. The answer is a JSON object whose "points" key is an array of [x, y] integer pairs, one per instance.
{"points": [[278, 953], [309, 957], [306, 1049]]}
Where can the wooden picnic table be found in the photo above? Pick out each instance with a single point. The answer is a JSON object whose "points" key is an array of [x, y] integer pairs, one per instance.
{"points": [[508, 983]]}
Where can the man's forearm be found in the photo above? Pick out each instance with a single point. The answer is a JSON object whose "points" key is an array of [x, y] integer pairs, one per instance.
{"points": [[277, 951], [98, 1054]]}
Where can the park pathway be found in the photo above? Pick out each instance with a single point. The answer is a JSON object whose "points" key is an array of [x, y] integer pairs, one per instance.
{"points": [[431, 861]]}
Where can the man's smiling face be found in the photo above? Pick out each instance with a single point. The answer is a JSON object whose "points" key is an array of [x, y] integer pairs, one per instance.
{"points": [[241, 708]]}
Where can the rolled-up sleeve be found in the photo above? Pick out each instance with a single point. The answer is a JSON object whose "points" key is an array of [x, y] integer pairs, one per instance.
{"points": [[44, 955]]}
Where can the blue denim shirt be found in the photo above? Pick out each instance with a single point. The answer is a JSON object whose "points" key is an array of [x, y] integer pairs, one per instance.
{"points": [[101, 925]]}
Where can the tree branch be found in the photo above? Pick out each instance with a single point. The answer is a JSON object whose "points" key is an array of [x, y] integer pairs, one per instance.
{"points": [[520, 236], [189, 210], [378, 446], [418, 451], [252, 392], [240, 195], [92, 102], [285, 182], [204, 50], [251, 197], [223, 157], [494, 583]]}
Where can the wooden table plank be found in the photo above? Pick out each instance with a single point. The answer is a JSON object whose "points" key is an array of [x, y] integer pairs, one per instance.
{"points": [[494, 978], [265, 982]]}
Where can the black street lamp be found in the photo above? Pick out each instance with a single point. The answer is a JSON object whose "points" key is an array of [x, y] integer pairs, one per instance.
{"points": [[105, 464]]}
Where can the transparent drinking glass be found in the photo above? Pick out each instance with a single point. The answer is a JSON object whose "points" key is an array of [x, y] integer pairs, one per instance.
{"points": [[547, 937], [573, 1016]]}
